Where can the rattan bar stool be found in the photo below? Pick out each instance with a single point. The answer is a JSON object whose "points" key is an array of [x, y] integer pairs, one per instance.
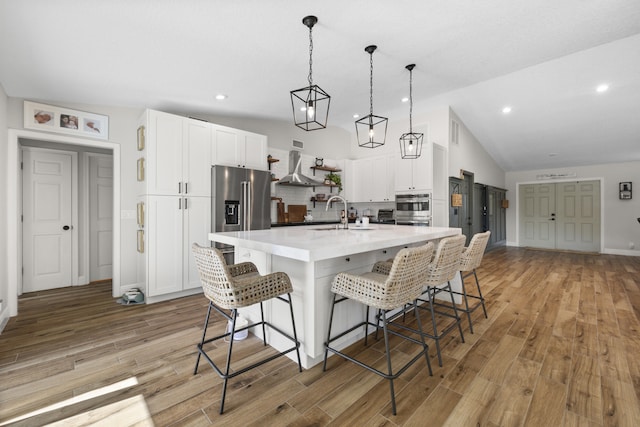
{"points": [[230, 287], [386, 293], [471, 259], [440, 272]]}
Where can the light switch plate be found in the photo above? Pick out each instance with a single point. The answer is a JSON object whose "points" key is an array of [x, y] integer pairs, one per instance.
{"points": [[128, 214]]}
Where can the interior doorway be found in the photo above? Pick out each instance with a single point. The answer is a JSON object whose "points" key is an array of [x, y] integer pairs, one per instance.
{"points": [[562, 215], [14, 229], [67, 217]]}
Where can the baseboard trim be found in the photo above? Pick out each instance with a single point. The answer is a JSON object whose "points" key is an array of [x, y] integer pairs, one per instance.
{"points": [[625, 252]]}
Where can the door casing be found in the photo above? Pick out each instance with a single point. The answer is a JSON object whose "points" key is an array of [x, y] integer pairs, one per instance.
{"points": [[14, 238]]}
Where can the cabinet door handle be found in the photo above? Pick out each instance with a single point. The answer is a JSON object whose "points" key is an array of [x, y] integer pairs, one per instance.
{"points": [[179, 187], [179, 202], [186, 187], [186, 206]]}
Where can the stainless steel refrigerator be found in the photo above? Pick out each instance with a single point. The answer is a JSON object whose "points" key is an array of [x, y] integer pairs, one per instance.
{"points": [[241, 200]]}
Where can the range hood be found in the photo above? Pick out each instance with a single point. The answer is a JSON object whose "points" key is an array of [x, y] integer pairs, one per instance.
{"points": [[295, 176]]}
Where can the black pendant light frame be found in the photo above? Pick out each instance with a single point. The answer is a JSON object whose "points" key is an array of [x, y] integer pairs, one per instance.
{"points": [[371, 127], [310, 104], [411, 143]]}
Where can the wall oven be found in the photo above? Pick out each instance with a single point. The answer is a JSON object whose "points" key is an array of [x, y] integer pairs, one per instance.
{"points": [[413, 209]]}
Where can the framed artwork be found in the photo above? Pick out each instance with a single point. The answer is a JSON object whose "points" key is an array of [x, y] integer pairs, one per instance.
{"points": [[624, 189], [141, 138], [65, 120]]}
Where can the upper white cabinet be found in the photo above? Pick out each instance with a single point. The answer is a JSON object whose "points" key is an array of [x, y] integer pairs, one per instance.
{"points": [[178, 155], [415, 175], [372, 179], [239, 148]]}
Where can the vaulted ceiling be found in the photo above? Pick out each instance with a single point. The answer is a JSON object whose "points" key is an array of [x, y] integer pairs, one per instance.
{"points": [[542, 58]]}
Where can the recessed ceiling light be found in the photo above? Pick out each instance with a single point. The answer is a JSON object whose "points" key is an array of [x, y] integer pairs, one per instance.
{"points": [[506, 110], [405, 99], [221, 97], [355, 116], [602, 88]]}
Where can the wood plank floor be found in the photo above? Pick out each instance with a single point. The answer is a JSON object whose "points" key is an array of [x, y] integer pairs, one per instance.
{"points": [[560, 348]]}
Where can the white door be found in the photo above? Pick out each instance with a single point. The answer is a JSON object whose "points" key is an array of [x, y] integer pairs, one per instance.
{"points": [[537, 215], [578, 216], [164, 244], [47, 219], [564, 215], [100, 217]]}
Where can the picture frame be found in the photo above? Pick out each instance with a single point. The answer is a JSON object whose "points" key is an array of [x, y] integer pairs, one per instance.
{"points": [[51, 118], [140, 138], [625, 190]]}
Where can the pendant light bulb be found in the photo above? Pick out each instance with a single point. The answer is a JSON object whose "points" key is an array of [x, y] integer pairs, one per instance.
{"points": [[311, 112]]}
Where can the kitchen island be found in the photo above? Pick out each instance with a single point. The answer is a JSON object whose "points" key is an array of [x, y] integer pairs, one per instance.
{"points": [[312, 256]]}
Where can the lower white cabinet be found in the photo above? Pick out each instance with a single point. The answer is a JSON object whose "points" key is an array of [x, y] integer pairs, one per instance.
{"points": [[172, 225]]}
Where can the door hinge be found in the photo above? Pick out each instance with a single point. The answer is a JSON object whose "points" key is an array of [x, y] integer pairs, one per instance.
{"points": [[21, 165], [23, 271], [21, 218]]}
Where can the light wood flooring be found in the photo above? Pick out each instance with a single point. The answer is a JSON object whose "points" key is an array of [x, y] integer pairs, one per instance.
{"points": [[560, 348]]}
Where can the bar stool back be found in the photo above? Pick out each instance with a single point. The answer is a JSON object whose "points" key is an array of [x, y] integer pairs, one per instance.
{"points": [[443, 268], [401, 286], [230, 287]]}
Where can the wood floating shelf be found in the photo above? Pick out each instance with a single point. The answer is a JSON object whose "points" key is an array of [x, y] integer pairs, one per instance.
{"points": [[271, 160], [325, 168]]}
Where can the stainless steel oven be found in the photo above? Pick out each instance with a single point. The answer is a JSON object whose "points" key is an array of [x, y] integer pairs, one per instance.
{"points": [[413, 209]]}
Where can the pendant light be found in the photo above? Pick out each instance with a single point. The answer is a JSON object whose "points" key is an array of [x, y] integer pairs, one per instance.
{"points": [[411, 143], [310, 104], [371, 130]]}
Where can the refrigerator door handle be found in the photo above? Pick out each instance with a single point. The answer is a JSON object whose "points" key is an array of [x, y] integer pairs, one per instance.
{"points": [[248, 211]]}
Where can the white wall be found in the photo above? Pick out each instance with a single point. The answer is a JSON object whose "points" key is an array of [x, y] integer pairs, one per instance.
{"points": [[4, 285], [471, 156], [619, 223]]}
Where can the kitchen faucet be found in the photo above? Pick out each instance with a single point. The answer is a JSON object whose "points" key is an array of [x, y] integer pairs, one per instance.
{"points": [[343, 220]]}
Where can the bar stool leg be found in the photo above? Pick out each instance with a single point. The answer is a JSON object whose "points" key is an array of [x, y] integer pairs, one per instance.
{"points": [[234, 315], [295, 334], [480, 294], [390, 370], [326, 344], [264, 332], [204, 333], [433, 322], [466, 303], [424, 343], [455, 311]]}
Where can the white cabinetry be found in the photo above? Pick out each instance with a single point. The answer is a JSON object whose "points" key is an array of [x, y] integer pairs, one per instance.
{"points": [[175, 190], [178, 155], [415, 175], [239, 148], [172, 225], [373, 179]]}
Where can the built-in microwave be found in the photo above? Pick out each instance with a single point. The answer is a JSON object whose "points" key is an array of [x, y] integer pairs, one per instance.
{"points": [[413, 209]]}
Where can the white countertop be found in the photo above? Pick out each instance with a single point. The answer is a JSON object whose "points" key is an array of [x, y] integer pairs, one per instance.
{"points": [[319, 242]]}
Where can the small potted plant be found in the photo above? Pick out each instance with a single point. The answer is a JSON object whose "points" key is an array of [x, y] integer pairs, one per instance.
{"points": [[334, 179]]}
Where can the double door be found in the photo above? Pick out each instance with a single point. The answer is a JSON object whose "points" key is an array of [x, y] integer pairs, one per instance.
{"points": [[562, 215]]}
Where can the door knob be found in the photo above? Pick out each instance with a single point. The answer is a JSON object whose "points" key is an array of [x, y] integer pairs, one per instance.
{"points": [[67, 227]]}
